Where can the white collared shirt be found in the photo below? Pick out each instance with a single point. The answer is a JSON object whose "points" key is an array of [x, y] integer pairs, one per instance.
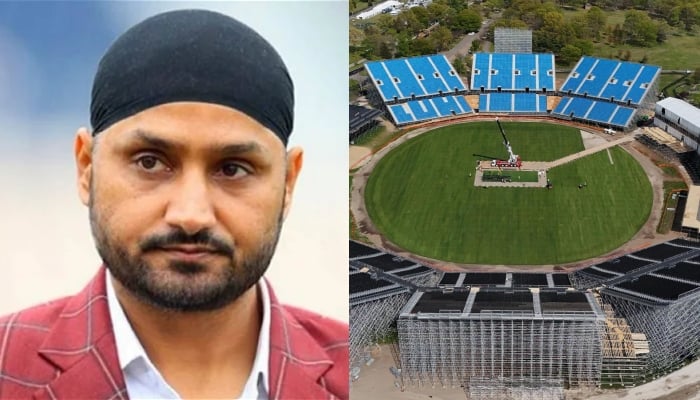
{"points": [[142, 378]]}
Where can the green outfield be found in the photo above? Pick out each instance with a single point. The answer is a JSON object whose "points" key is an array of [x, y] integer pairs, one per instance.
{"points": [[421, 196]]}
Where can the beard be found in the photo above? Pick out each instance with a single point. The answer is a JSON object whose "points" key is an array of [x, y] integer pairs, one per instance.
{"points": [[184, 286]]}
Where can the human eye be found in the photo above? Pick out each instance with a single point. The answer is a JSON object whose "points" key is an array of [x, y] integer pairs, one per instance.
{"points": [[150, 163], [233, 170]]}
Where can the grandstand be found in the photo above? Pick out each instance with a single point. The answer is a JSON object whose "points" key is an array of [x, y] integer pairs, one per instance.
{"points": [[513, 71], [606, 92], [380, 284], [597, 91], [452, 339], [532, 333], [612, 80], [419, 88], [657, 291], [412, 78], [504, 279]]}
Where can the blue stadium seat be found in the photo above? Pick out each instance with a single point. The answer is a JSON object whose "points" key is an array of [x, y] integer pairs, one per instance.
{"points": [[423, 67], [620, 82], [422, 109], [501, 70], [611, 80], [602, 111], [640, 86], [525, 102], [545, 64], [448, 73], [563, 104], [481, 64], [525, 64], [500, 102], [483, 102], [463, 102], [622, 117], [407, 81], [599, 75], [579, 73], [400, 115], [542, 100], [578, 107], [383, 81], [446, 106]]}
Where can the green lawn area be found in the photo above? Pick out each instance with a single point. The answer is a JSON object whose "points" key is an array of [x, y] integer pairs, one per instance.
{"points": [[512, 175], [421, 197], [680, 51]]}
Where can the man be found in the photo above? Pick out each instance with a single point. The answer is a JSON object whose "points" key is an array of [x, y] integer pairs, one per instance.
{"points": [[187, 179]]}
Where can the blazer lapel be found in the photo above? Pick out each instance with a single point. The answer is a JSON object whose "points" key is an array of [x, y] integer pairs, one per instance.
{"points": [[81, 346], [297, 361]]}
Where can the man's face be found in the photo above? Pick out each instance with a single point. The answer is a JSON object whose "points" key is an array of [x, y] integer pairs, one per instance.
{"points": [[186, 202]]}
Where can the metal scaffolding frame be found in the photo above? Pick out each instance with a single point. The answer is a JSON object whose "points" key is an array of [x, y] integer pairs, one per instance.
{"points": [[499, 389], [370, 322], [452, 349], [671, 328], [512, 40], [624, 352]]}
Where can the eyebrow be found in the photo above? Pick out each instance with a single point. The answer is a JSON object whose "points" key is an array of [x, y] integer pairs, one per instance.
{"points": [[224, 150]]}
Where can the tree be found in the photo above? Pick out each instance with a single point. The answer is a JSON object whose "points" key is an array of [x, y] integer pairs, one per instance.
{"points": [[639, 29], [438, 12], [467, 20], [442, 38], [475, 46], [356, 37], [459, 66], [689, 16], [595, 22], [421, 15], [569, 54], [422, 46]]}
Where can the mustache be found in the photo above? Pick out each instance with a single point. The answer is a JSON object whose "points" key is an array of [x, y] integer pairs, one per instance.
{"points": [[180, 237]]}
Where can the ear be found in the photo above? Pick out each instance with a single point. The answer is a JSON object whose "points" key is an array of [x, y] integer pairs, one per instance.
{"points": [[82, 150], [295, 159]]}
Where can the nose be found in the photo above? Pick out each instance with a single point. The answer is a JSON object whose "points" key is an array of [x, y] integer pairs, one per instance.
{"points": [[190, 206]]}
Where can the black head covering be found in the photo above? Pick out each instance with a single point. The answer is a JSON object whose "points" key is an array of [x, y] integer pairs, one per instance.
{"points": [[193, 55]]}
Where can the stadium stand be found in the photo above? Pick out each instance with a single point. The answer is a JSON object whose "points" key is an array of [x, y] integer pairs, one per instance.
{"points": [[611, 80], [597, 111], [513, 71], [426, 109], [684, 270], [484, 279], [361, 120], [529, 280], [513, 102], [411, 78], [561, 280], [661, 252], [358, 249], [388, 262], [623, 264], [490, 301], [658, 287], [449, 279]]}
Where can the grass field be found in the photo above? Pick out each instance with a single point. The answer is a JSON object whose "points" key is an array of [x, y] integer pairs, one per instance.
{"points": [[421, 197]]}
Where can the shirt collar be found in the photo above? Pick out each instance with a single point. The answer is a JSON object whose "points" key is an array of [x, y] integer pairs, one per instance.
{"points": [[130, 350]]}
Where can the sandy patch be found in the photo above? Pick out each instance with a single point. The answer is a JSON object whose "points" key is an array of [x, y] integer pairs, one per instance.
{"points": [[358, 156]]}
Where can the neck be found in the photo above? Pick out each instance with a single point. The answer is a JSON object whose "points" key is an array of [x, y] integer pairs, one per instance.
{"points": [[196, 343]]}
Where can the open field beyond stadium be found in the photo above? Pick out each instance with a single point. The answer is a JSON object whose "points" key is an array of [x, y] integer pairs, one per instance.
{"points": [[422, 198]]}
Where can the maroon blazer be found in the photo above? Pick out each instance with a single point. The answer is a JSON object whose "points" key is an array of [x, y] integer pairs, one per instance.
{"points": [[65, 349]]}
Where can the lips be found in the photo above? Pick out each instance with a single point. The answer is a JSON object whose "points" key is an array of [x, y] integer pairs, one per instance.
{"points": [[189, 252]]}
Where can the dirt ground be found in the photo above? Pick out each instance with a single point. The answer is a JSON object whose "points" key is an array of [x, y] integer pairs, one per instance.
{"points": [[376, 382], [646, 237], [358, 155]]}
